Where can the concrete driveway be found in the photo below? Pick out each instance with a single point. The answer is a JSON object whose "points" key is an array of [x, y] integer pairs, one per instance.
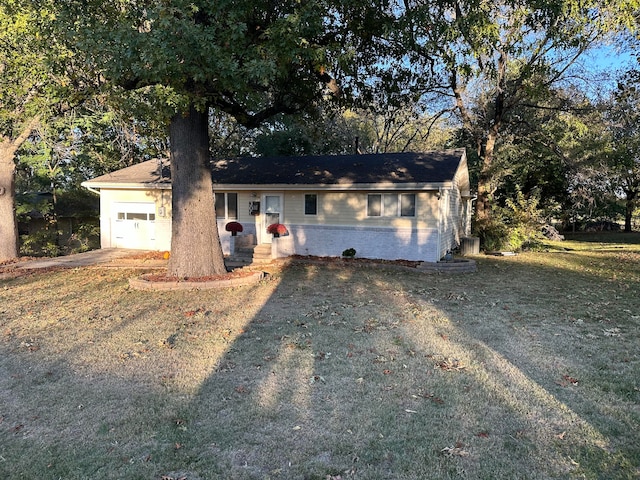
{"points": [[110, 257]]}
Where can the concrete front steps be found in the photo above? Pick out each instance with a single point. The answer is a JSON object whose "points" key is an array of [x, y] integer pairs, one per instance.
{"points": [[256, 254]]}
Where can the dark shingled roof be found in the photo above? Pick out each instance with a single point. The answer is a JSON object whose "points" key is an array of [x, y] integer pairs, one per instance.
{"points": [[427, 167], [398, 168]]}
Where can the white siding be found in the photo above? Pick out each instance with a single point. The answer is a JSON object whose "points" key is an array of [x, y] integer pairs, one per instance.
{"points": [[341, 223], [369, 242]]}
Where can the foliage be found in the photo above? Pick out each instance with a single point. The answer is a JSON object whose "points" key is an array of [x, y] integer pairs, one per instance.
{"points": [[233, 227], [515, 226], [277, 229], [41, 216], [42, 243], [623, 162], [502, 59]]}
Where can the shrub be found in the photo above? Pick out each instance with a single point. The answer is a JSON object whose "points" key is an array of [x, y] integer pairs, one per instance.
{"points": [[277, 229], [39, 244], [514, 227], [85, 238], [349, 253], [233, 227]]}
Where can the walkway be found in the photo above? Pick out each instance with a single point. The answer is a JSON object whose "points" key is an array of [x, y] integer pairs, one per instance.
{"points": [[109, 257]]}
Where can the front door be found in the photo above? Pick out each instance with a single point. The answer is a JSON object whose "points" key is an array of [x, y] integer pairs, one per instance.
{"points": [[272, 213]]}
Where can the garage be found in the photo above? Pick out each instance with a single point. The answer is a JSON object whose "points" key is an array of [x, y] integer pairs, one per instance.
{"points": [[134, 225]]}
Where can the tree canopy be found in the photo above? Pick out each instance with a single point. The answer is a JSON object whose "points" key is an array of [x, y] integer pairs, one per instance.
{"points": [[503, 70]]}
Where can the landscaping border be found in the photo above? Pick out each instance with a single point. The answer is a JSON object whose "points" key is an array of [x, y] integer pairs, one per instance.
{"points": [[140, 283]]}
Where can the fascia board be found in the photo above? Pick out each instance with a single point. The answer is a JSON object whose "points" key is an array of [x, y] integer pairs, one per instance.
{"points": [[386, 186], [127, 186]]}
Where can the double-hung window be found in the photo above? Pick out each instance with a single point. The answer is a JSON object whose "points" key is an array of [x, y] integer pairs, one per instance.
{"points": [[310, 204], [226, 206], [391, 205]]}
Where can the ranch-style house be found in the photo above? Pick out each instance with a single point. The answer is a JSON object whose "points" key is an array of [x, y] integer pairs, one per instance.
{"points": [[410, 206]]}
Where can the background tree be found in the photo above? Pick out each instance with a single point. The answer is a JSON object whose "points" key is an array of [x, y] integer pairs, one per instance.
{"points": [[248, 59], [623, 163], [23, 76], [496, 59]]}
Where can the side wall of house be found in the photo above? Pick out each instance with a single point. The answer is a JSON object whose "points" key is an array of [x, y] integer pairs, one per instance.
{"points": [[454, 215]]}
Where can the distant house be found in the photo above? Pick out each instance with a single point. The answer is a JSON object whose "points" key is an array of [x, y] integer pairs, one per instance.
{"points": [[411, 206]]}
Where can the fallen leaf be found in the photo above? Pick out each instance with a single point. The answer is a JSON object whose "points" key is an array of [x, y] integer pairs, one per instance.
{"points": [[451, 364], [611, 332], [566, 381], [454, 452]]}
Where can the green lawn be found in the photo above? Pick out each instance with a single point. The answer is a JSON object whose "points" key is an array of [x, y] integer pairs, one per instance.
{"points": [[527, 369]]}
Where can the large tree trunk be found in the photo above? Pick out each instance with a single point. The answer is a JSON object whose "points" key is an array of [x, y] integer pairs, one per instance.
{"points": [[8, 221], [630, 204], [195, 243]]}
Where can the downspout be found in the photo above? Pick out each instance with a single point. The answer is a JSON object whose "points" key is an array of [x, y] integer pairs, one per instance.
{"points": [[440, 202]]}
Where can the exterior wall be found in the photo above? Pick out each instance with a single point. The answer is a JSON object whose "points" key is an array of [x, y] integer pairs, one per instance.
{"points": [[160, 198], [369, 242], [449, 223], [455, 218], [341, 223], [350, 209]]}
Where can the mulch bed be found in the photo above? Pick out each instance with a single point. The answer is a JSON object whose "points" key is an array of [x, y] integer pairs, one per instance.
{"points": [[361, 261], [159, 277]]}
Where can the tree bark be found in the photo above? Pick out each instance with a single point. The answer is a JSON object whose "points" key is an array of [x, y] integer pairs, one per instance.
{"points": [[630, 204], [8, 221], [483, 203], [195, 242], [9, 248]]}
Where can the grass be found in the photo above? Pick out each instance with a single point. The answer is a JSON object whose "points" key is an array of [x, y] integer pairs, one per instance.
{"points": [[527, 369]]}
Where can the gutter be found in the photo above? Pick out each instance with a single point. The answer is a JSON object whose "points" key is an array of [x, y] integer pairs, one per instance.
{"points": [[440, 203], [90, 188]]}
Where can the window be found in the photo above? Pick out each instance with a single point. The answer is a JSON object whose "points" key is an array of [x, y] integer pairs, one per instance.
{"points": [[407, 205], [374, 205], [137, 216], [311, 204], [227, 206], [391, 205]]}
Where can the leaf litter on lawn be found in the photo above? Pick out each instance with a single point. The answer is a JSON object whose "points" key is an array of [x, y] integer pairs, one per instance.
{"points": [[243, 371]]}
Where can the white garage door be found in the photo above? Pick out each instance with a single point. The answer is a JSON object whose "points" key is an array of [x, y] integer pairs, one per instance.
{"points": [[134, 225]]}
